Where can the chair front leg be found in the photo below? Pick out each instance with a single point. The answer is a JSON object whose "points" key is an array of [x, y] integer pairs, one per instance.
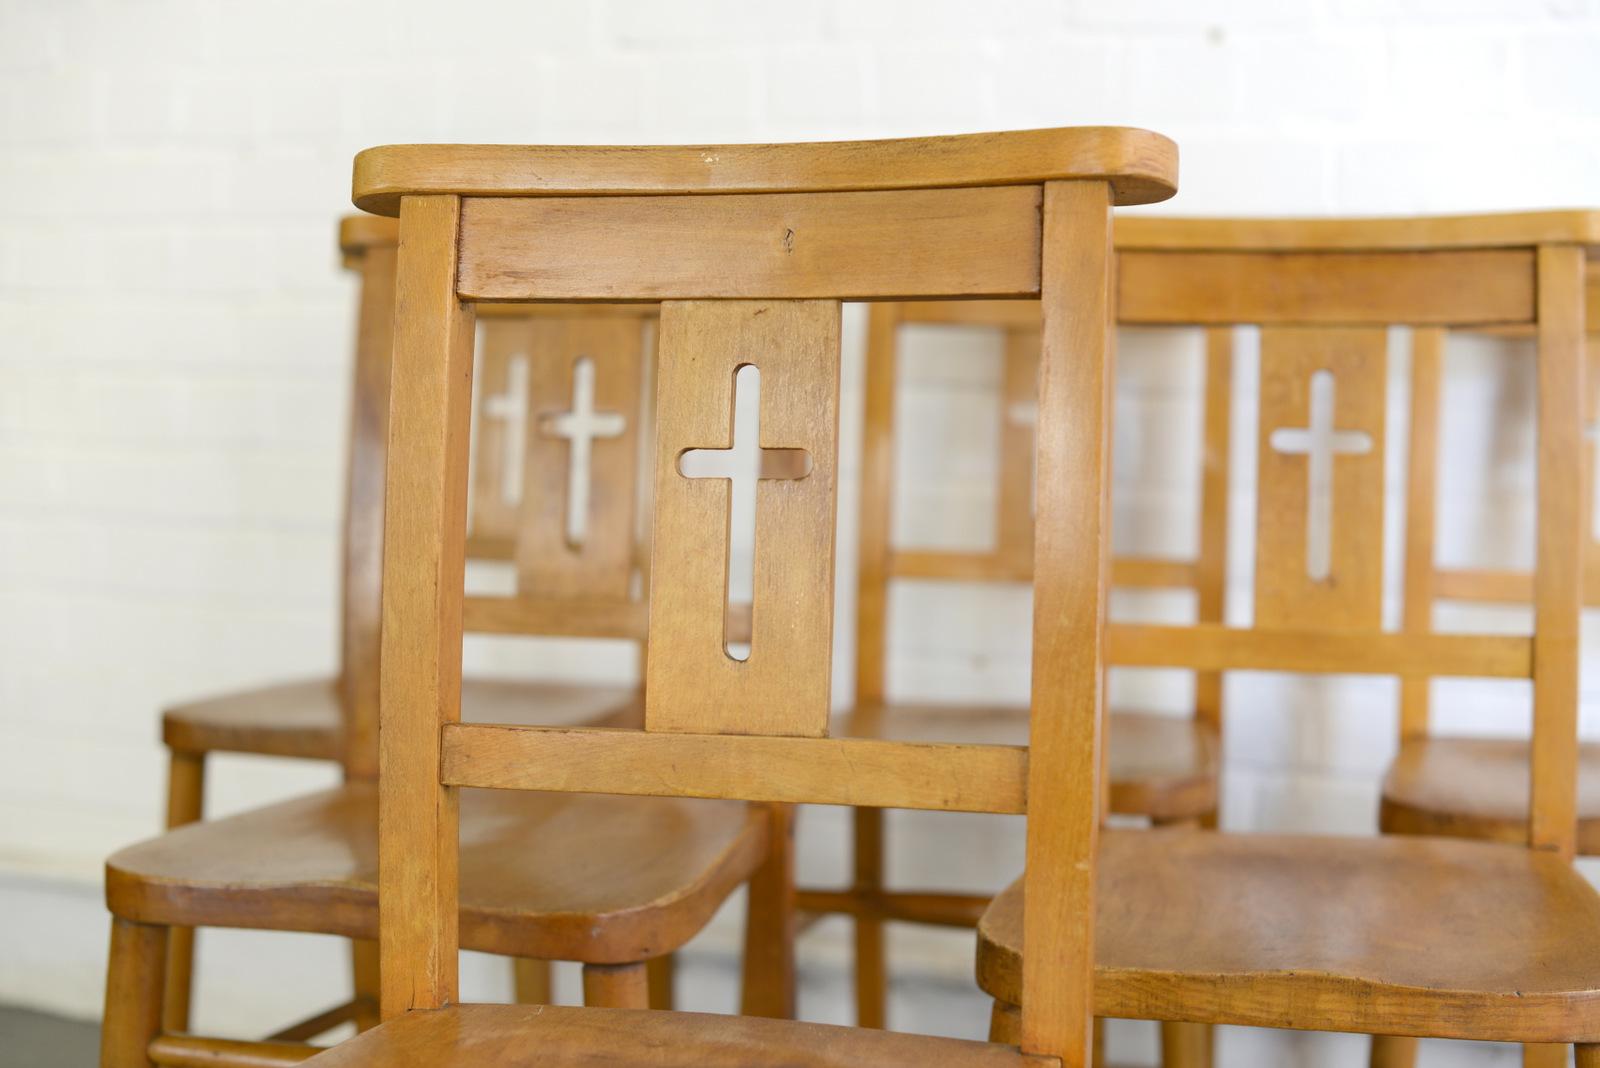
{"points": [[616, 986], [186, 786], [531, 981], [771, 925], [135, 979], [872, 976], [1393, 1051]]}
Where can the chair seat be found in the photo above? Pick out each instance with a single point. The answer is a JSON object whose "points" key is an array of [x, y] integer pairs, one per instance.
{"points": [[1403, 936], [302, 719], [1478, 788], [1163, 767], [514, 1036], [599, 879]]}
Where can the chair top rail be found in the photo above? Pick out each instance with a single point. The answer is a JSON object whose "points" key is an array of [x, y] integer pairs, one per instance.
{"points": [[1523, 229]]}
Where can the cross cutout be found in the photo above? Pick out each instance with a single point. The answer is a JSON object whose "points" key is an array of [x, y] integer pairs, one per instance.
{"points": [[1320, 443], [511, 408], [581, 426], [746, 462]]}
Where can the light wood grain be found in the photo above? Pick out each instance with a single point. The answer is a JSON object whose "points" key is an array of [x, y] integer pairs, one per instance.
{"points": [[1211, 562], [556, 617], [953, 242], [692, 684], [1353, 288], [192, 1051], [824, 771], [1210, 647], [1422, 460], [424, 569], [1141, 166], [1513, 229]]}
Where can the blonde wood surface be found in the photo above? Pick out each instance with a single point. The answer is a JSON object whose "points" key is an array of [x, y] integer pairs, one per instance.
{"points": [[1349, 594], [873, 561], [133, 993], [556, 617], [191, 1051], [1353, 288], [1519, 229], [519, 1036], [692, 684], [1422, 459], [1211, 647], [1558, 568], [1478, 788], [1211, 565], [638, 877], [422, 576], [1160, 766], [1072, 546], [616, 986], [1216, 928], [824, 771], [974, 242], [1141, 166]]}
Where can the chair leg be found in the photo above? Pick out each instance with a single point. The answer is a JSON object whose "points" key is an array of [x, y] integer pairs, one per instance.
{"points": [[1544, 1055], [660, 972], [616, 986], [1097, 1052], [1185, 1045], [135, 978], [872, 981], [186, 786], [770, 925], [1587, 1056], [531, 981], [1393, 1051], [365, 982], [1005, 1023]]}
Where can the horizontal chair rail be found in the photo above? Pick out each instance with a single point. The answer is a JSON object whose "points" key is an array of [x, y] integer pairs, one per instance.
{"points": [[192, 1051], [1457, 288], [930, 242], [910, 906], [825, 771], [1213, 647], [555, 617], [1128, 571]]}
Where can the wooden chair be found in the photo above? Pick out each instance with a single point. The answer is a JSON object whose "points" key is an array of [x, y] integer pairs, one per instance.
{"points": [[615, 883], [1389, 936], [1160, 767], [313, 718], [753, 276]]}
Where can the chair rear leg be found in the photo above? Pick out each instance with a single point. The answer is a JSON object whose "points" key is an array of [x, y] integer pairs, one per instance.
{"points": [[661, 971], [1393, 1051], [1545, 1055], [186, 785], [531, 981], [1587, 1056], [365, 981], [1185, 1045], [135, 979], [771, 925], [872, 977], [616, 986]]}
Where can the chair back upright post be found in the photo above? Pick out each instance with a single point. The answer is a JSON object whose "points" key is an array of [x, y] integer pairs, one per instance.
{"points": [[753, 275], [1323, 293]]}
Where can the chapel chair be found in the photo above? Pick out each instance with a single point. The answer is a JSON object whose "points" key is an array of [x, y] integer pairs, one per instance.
{"points": [[1161, 767], [617, 884], [1402, 937], [752, 277]]}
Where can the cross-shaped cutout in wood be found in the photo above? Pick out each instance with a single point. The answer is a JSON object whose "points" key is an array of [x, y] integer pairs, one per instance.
{"points": [[511, 409], [745, 463], [1320, 442], [581, 426]]}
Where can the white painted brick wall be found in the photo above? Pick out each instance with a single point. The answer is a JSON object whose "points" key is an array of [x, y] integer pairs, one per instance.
{"points": [[174, 338]]}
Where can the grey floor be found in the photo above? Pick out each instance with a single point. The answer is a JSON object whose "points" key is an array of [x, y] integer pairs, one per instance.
{"points": [[38, 1040]]}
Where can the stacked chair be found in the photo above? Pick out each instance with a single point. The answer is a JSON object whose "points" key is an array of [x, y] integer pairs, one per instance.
{"points": [[639, 877], [606, 826]]}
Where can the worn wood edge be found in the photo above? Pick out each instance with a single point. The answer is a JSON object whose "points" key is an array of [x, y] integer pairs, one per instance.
{"points": [[827, 771], [1359, 233], [1213, 647], [1141, 166]]}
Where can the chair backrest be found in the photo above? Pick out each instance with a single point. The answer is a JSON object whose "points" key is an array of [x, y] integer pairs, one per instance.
{"points": [[1323, 293], [1428, 581], [750, 276], [1010, 557], [555, 490]]}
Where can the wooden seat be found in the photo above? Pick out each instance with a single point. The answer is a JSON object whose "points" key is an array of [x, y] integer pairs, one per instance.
{"points": [[1434, 937], [305, 718], [1161, 766], [1477, 788], [580, 877], [513, 1036]]}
